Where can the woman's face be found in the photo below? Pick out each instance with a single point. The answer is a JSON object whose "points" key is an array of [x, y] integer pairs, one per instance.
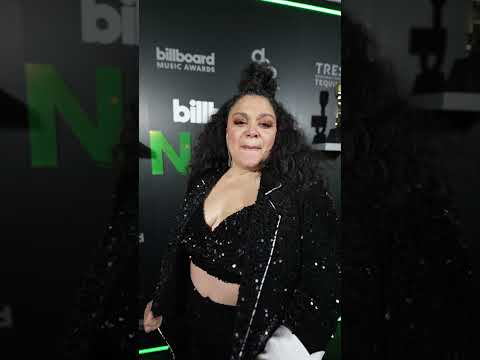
{"points": [[251, 130]]}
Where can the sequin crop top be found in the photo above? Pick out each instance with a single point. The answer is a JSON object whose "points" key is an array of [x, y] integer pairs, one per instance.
{"points": [[219, 252]]}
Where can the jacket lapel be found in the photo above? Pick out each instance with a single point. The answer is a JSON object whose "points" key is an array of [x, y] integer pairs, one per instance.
{"points": [[196, 196], [261, 239], [260, 243]]}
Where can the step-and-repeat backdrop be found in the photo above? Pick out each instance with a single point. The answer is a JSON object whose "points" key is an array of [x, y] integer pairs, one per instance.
{"points": [[191, 55]]}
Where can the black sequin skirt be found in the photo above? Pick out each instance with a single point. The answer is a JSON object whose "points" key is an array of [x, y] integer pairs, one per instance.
{"points": [[210, 328]]}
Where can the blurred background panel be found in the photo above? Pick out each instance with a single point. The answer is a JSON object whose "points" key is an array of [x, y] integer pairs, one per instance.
{"points": [[68, 89]]}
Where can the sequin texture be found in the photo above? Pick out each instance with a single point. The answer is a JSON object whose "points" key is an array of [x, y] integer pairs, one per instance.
{"points": [[290, 275], [219, 252]]}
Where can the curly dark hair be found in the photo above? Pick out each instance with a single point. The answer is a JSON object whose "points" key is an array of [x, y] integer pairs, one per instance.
{"points": [[290, 154]]}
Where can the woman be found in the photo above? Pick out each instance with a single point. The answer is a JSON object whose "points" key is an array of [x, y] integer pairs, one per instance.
{"points": [[251, 270]]}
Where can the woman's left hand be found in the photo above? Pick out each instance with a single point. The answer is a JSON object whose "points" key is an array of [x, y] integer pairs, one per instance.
{"points": [[284, 345]]}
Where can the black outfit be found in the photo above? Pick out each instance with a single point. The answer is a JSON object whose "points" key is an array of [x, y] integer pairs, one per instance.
{"points": [[289, 270], [209, 328], [220, 253]]}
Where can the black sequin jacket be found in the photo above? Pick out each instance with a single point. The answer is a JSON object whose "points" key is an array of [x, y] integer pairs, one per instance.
{"points": [[292, 272]]}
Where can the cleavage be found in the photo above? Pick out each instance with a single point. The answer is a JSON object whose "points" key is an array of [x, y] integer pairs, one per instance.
{"points": [[225, 219]]}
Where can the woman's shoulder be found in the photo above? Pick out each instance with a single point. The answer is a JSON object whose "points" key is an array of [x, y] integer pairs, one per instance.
{"points": [[306, 195]]}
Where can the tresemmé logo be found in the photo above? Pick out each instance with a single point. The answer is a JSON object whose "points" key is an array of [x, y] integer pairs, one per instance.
{"points": [[327, 75]]}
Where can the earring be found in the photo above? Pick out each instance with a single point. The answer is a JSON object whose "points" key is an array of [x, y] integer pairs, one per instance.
{"points": [[228, 152]]}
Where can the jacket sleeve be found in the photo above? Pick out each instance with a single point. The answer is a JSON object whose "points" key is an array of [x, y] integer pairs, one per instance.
{"points": [[313, 311], [174, 268]]}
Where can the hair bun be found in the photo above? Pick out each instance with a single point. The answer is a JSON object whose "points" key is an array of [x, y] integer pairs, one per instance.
{"points": [[258, 79]]}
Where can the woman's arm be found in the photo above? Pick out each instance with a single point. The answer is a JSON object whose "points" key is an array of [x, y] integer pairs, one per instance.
{"points": [[171, 280], [314, 309], [173, 268]]}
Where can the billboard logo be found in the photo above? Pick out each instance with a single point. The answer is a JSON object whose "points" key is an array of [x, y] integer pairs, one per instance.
{"points": [[174, 59], [258, 55], [327, 75], [103, 24], [198, 113]]}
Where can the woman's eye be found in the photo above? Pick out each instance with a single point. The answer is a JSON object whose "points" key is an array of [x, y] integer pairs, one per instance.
{"points": [[266, 125], [238, 122]]}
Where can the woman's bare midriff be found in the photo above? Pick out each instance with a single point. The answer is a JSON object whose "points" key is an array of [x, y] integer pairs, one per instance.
{"points": [[209, 286]]}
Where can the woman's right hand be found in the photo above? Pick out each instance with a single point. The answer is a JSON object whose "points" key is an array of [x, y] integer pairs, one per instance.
{"points": [[150, 322]]}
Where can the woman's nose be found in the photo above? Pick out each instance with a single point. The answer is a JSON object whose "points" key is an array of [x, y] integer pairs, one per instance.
{"points": [[252, 131]]}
